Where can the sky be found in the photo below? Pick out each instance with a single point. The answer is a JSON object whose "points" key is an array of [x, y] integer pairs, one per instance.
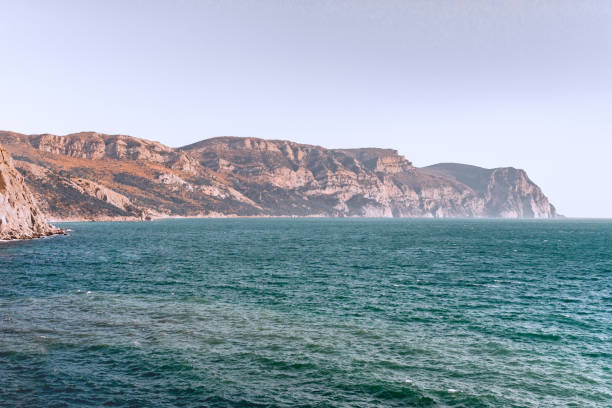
{"points": [[492, 83]]}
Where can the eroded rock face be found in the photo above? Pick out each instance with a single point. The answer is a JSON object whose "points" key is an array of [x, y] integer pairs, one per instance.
{"points": [[506, 192], [92, 145], [295, 179], [97, 176], [20, 217]]}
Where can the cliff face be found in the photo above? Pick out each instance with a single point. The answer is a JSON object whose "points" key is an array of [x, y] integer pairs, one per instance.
{"points": [[507, 192], [286, 178], [20, 217], [96, 176]]}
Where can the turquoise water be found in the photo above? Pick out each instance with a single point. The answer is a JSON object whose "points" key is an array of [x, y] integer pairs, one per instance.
{"points": [[309, 313]]}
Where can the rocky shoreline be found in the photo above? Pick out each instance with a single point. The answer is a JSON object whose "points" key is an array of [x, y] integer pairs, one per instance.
{"points": [[233, 216], [20, 217]]}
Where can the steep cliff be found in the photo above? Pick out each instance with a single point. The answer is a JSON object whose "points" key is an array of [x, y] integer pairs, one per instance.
{"points": [[96, 176], [507, 192], [20, 217]]}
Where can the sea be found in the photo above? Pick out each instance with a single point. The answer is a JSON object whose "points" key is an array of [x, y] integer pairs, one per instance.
{"points": [[309, 313]]}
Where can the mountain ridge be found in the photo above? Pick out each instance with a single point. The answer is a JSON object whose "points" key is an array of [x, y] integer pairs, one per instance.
{"points": [[90, 175]]}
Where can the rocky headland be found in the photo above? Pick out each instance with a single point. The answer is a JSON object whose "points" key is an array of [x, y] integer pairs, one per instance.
{"points": [[93, 176], [20, 217]]}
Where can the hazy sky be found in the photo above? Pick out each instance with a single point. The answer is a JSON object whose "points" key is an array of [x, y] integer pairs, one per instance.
{"points": [[493, 83]]}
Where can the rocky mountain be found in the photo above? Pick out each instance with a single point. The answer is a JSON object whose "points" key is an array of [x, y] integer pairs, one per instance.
{"points": [[96, 176], [507, 192], [20, 217]]}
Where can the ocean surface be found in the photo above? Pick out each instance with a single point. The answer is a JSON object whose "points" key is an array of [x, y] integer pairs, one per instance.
{"points": [[309, 313]]}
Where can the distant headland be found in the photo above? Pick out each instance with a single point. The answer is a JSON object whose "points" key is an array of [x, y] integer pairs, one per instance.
{"points": [[94, 176]]}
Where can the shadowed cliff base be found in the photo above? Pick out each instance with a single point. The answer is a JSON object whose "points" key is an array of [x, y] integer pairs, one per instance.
{"points": [[93, 176]]}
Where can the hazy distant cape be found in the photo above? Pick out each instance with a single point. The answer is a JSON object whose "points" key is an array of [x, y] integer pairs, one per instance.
{"points": [[96, 176]]}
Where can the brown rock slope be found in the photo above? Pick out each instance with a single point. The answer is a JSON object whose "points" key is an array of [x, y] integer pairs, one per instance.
{"points": [[96, 176], [20, 217]]}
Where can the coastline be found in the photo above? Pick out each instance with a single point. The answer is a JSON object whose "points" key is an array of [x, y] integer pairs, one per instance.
{"points": [[56, 232], [234, 216], [169, 217]]}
